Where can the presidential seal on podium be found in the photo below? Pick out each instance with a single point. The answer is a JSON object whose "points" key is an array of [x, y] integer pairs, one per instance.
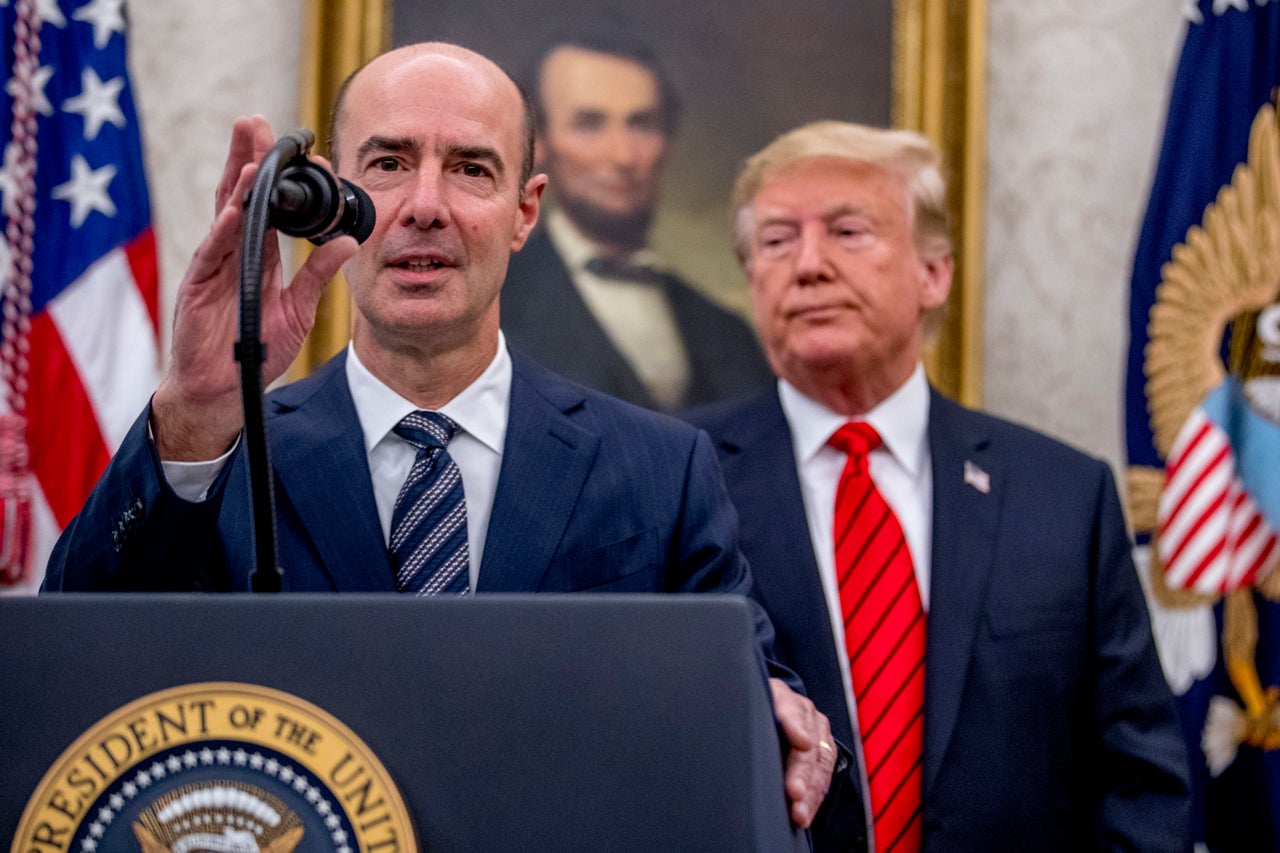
{"points": [[219, 767]]}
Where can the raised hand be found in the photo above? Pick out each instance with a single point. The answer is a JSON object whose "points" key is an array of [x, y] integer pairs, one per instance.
{"points": [[196, 412]]}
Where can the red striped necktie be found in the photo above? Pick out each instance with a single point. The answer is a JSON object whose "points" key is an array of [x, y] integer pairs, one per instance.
{"points": [[884, 636]]}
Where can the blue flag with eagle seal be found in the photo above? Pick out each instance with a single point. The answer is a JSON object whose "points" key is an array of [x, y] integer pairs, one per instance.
{"points": [[1201, 397]]}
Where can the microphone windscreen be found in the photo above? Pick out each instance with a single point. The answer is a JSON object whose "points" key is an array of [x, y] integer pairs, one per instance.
{"points": [[360, 212]]}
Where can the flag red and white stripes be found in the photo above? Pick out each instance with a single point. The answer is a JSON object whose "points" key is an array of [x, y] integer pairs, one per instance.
{"points": [[1213, 537]]}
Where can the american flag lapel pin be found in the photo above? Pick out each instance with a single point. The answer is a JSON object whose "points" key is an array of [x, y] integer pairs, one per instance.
{"points": [[976, 477]]}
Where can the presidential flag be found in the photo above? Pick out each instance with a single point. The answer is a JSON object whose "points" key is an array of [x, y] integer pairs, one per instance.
{"points": [[80, 352], [1203, 413]]}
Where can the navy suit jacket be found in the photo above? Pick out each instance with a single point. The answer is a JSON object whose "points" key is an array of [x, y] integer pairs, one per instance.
{"points": [[593, 494], [543, 315], [1048, 724]]}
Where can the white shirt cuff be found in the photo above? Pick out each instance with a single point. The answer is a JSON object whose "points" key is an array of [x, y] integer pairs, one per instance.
{"points": [[191, 480]]}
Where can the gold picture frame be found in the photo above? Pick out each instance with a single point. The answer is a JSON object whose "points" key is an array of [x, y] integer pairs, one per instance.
{"points": [[939, 89]]}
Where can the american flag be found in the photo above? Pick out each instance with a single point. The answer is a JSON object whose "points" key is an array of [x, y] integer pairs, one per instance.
{"points": [[93, 335]]}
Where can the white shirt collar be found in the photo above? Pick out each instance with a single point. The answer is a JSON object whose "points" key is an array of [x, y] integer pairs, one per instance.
{"points": [[902, 419], [481, 409]]}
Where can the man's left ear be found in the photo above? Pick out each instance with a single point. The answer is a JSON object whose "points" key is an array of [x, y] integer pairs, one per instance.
{"points": [[938, 271], [527, 212]]}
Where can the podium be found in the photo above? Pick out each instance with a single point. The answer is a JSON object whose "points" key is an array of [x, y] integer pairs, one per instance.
{"points": [[502, 722]]}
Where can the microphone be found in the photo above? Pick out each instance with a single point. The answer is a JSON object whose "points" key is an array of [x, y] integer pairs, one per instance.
{"points": [[301, 198], [307, 201]]}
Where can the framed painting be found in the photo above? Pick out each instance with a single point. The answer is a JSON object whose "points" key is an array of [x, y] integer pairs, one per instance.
{"points": [[743, 73]]}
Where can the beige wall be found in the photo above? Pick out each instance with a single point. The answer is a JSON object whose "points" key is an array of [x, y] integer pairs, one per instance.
{"points": [[195, 67], [1077, 92]]}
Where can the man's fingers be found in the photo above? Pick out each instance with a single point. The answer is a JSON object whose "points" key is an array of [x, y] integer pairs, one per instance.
{"points": [[309, 283], [217, 252], [263, 138], [239, 153], [795, 714], [221, 245], [812, 757], [804, 789], [808, 778], [250, 139]]}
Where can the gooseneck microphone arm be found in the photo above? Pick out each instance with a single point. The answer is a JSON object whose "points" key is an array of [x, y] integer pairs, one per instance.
{"points": [[251, 352], [303, 199]]}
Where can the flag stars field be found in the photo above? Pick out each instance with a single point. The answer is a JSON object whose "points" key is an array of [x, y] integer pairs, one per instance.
{"points": [[87, 190], [50, 13], [98, 102], [1191, 8], [107, 17]]}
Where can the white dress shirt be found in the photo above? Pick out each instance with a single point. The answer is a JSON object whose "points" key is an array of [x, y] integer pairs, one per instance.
{"points": [[481, 411], [900, 468], [636, 316]]}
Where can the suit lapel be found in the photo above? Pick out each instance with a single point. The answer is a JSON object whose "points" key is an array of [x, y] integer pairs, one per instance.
{"points": [[759, 460], [544, 465], [317, 442], [547, 304], [965, 524]]}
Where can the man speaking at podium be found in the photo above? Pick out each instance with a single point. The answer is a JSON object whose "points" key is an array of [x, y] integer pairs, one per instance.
{"points": [[426, 458]]}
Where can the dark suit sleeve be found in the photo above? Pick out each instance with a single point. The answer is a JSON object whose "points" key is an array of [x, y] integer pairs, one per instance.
{"points": [[135, 534], [709, 558], [1141, 770]]}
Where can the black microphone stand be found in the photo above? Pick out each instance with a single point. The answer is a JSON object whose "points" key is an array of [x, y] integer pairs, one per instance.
{"points": [[251, 352], [301, 198]]}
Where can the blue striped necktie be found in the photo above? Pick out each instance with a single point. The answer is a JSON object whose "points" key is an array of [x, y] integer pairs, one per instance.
{"points": [[429, 523]]}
